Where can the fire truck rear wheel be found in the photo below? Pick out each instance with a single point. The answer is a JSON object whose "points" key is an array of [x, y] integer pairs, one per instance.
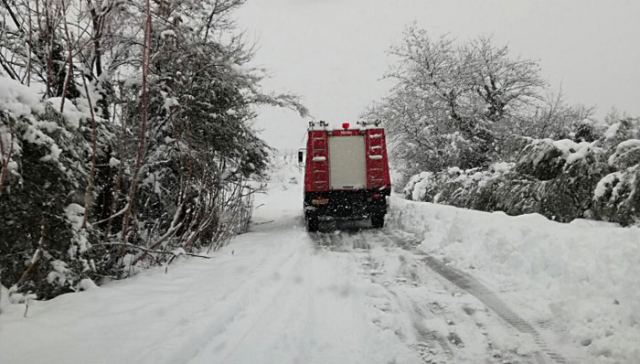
{"points": [[312, 223], [377, 220]]}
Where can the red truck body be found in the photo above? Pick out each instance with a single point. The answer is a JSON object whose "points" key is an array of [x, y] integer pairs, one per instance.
{"points": [[346, 175]]}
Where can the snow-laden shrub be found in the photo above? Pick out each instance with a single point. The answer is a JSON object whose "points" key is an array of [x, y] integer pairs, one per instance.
{"points": [[454, 186], [627, 154], [419, 187], [565, 176], [545, 159], [541, 159], [617, 196], [42, 245], [553, 178], [575, 169], [621, 130]]}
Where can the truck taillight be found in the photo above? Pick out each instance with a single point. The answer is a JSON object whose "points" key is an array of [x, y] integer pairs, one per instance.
{"points": [[345, 125]]}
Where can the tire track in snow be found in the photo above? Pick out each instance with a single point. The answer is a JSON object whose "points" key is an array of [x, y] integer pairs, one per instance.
{"points": [[469, 284], [231, 309], [431, 346], [282, 300], [350, 241], [355, 245], [427, 338]]}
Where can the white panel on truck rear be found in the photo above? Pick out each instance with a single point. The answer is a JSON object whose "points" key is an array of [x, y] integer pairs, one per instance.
{"points": [[347, 163]]}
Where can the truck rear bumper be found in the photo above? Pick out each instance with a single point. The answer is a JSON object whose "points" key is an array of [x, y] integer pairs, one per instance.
{"points": [[346, 204]]}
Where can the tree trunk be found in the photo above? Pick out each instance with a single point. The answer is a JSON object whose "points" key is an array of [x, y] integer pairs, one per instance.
{"points": [[144, 109]]}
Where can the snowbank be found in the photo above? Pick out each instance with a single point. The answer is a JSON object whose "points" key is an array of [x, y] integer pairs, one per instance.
{"points": [[582, 275], [17, 98], [4, 294]]}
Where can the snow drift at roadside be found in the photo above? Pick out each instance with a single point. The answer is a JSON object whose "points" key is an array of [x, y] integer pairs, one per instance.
{"points": [[583, 275]]}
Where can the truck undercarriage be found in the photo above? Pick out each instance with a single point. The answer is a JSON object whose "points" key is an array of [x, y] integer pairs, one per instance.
{"points": [[347, 205]]}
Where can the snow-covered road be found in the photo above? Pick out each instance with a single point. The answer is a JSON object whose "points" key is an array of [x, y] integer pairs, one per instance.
{"points": [[272, 296], [281, 295]]}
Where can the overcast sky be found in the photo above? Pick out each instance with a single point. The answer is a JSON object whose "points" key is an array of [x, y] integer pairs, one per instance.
{"points": [[333, 53]]}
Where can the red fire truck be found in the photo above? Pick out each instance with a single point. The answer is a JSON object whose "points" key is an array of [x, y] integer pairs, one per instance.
{"points": [[346, 173]]}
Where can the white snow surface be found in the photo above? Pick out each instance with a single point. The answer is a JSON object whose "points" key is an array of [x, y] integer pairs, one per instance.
{"points": [[72, 115], [280, 295], [17, 98], [571, 151], [625, 148], [75, 215], [420, 183], [581, 278], [605, 185], [628, 144]]}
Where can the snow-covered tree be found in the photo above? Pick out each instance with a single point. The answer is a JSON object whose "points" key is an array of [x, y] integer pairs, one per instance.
{"points": [[139, 142], [458, 114], [457, 101], [468, 105]]}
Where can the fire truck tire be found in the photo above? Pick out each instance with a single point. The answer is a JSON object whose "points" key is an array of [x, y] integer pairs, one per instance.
{"points": [[312, 223], [377, 220]]}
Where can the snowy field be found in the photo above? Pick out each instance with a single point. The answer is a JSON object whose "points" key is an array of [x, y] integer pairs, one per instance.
{"points": [[437, 285]]}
